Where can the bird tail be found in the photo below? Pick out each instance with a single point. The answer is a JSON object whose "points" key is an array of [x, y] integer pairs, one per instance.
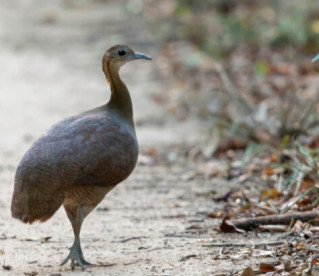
{"points": [[30, 207]]}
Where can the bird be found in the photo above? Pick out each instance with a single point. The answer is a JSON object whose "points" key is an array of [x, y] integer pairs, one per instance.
{"points": [[80, 159]]}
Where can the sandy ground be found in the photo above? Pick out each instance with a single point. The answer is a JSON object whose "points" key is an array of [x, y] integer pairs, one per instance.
{"points": [[152, 224]]}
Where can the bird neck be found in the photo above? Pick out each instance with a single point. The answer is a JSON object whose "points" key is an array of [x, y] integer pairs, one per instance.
{"points": [[120, 97]]}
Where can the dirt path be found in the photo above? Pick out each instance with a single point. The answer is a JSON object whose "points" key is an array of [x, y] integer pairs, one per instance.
{"points": [[152, 224]]}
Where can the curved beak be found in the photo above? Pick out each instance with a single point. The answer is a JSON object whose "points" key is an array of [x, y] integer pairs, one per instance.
{"points": [[141, 56], [315, 58]]}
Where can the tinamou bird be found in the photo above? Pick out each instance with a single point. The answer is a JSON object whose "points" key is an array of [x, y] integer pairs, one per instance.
{"points": [[80, 159]]}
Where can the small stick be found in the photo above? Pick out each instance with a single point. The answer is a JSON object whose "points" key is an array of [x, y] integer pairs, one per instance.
{"points": [[250, 223], [275, 243], [133, 238]]}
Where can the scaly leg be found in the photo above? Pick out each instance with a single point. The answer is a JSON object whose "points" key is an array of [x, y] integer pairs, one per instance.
{"points": [[76, 254]]}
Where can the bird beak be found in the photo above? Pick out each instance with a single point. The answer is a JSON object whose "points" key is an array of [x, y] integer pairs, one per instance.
{"points": [[141, 56], [315, 58]]}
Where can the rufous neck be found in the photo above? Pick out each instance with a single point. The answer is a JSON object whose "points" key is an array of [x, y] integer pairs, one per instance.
{"points": [[120, 97]]}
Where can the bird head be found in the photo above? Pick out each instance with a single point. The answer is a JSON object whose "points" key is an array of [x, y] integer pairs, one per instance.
{"points": [[118, 55]]}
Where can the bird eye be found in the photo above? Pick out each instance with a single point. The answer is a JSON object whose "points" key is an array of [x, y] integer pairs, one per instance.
{"points": [[122, 53]]}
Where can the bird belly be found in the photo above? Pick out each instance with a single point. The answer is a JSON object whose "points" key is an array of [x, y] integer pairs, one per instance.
{"points": [[86, 197]]}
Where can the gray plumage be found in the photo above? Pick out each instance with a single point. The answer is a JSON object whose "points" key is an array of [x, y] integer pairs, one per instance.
{"points": [[79, 160]]}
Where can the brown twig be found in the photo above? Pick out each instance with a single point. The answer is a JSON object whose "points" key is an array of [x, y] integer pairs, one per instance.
{"points": [[250, 223], [133, 238], [274, 243]]}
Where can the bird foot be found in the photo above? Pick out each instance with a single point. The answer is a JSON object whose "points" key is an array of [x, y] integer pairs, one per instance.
{"points": [[76, 258]]}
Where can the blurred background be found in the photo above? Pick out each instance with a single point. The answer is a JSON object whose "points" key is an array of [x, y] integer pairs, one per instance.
{"points": [[221, 69], [226, 75], [230, 97]]}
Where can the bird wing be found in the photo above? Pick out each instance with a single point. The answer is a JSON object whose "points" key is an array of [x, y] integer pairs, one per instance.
{"points": [[91, 148]]}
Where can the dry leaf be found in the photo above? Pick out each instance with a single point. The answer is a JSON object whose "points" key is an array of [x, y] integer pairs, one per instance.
{"points": [[298, 226], [6, 267], [266, 268], [307, 184], [273, 158], [312, 142], [301, 245], [314, 262], [228, 227], [271, 193], [314, 222], [269, 171], [248, 272], [305, 202]]}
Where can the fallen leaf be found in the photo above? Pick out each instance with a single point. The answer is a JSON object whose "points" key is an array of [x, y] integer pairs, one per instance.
{"points": [[228, 227], [271, 193], [314, 262], [6, 267], [301, 245], [306, 201], [313, 142], [307, 184], [248, 272], [287, 266], [266, 268], [298, 226], [314, 222], [273, 158], [268, 171]]}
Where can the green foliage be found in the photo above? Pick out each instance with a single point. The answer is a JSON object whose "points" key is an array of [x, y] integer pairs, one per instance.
{"points": [[218, 27]]}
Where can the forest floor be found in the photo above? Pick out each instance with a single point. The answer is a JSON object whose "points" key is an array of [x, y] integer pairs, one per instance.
{"points": [[154, 223]]}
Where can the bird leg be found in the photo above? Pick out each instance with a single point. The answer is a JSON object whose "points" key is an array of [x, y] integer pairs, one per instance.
{"points": [[76, 254]]}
